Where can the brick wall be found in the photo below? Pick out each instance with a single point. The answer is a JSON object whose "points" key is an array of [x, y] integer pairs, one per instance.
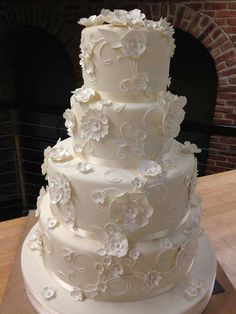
{"points": [[212, 22]]}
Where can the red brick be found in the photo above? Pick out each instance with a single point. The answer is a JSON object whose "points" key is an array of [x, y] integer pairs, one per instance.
{"points": [[215, 52], [232, 159], [231, 61], [220, 101], [188, 13], [232, 117], [216, 169], [222, 121], [221, 21], [223, 81], [232, 80], [219, 114], [228, 71], [196, 6], [219, 146], [231, 102], [205, 21], [216, 33], [227, 45], [210, 13], [217, 157], [215, 6], [211, 161], [194, 22], [228, 139], [207, 41], [223, 164], [223, 109], [179, 13], [221, 66], [219, 41], [225, 56], [209, 30], [230, 88], [232, 6], [232, 148], [230, 29], [228, 96], [226, 13], [215, 139], [231, 21]]}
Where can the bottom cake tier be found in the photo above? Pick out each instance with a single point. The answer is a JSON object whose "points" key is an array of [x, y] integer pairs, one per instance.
{"points": [[189, 296]]}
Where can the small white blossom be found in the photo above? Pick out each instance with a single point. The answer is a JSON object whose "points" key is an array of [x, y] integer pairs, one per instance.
{"points": [[84, 167], [134, 254], [68, 115], [91, 21], [59, 189], [86, 62], [165, 27], [189, 148], [51, 223], [42, 192], [98, 197], [173, 114], [152, 280], [149, 168], [107, 261], [84, 94], [194, 289], [48, 293], [138, 183], [115, 244], [77, 294], [35, 241]]}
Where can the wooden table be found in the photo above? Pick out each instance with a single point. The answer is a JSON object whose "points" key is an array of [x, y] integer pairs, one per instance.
{"points": [[218, 193]]}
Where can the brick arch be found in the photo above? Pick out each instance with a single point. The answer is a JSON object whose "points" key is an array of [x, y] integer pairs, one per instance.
{"points": [[221, 48], [45, 20]]}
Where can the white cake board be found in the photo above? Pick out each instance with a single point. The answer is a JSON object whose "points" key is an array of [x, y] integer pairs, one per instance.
{"points": [[174, 301]]}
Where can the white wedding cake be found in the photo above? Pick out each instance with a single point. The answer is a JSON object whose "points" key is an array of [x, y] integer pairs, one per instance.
{"points": [[118, 226]]}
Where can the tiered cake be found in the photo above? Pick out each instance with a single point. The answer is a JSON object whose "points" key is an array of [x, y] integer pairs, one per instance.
{"points": [[119, 220]]}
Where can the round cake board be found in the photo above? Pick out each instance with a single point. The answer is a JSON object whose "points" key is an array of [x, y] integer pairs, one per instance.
{"points": [[175, 301]]}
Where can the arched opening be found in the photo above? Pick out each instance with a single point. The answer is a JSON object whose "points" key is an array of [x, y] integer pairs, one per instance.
{"points": [[44, 73], [194, 75], [44, 76]]}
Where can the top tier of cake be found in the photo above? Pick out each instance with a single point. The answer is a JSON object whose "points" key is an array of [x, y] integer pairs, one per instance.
{"points": [[127, 59]]}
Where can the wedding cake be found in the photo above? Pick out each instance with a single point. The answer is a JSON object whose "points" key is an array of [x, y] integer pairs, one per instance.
{"points": [[118, 226]]}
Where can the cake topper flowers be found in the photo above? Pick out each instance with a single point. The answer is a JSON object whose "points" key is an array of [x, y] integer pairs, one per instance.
{"points": [[133, 18]]}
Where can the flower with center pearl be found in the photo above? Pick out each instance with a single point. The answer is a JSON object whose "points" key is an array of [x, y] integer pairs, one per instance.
{"points": [[134, 43]]}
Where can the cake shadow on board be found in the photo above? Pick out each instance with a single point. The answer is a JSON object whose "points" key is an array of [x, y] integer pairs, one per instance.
{"points": [[119, 222]]}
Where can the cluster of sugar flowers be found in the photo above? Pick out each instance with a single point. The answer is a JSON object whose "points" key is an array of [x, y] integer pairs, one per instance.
{"points": [[133, 18]]}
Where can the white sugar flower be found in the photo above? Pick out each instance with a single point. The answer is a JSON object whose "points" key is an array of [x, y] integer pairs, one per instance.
{"points": [[51, 223], [140, 81], [77, 294], [107, 261], [84, 94], [149, 168], [86, 62], [48, 293], [123, 18], [115, 244], [35, 241], [165, 27], [134, 43], [189, 148], [42, 192], [186, 253], [91, 21], [152, 280], [68, 115], [116, 270], [194, 288], [130, 211], [56, 153], [138, 183], [134, 254], [84, 167], [93, 125], [173, 114], [59, 189], [98, 197]]}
